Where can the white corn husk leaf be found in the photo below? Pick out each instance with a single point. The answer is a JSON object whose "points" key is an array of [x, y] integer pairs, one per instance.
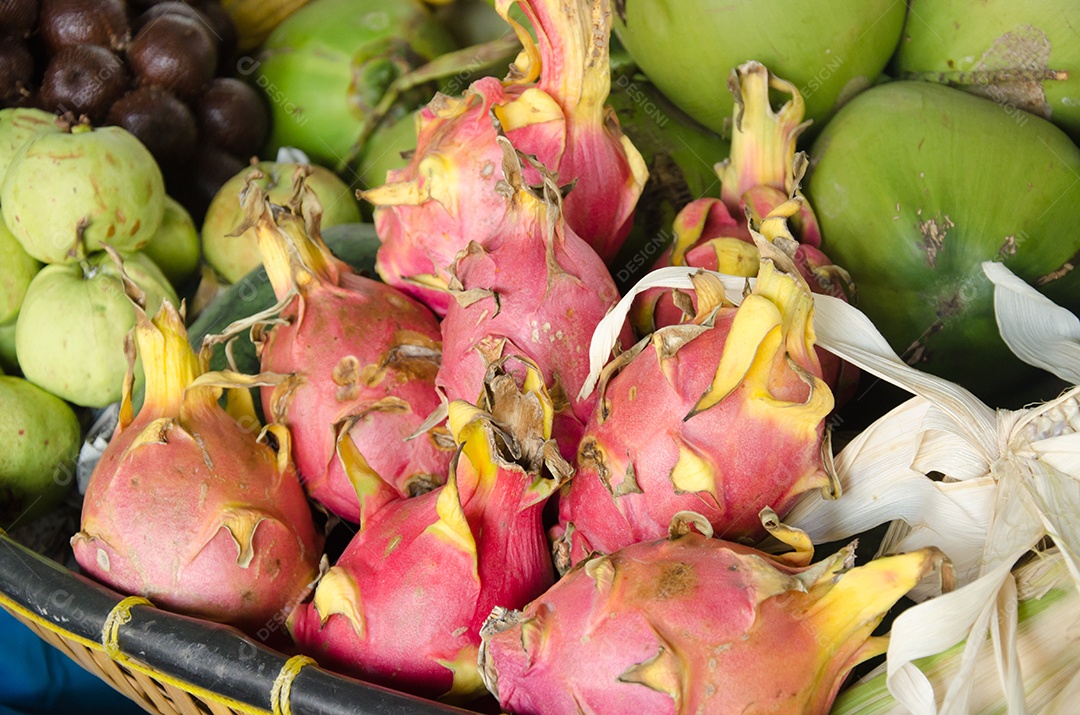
{"points": [[1046, 646], [1009, 479], [876, 473], [1039, 331]]}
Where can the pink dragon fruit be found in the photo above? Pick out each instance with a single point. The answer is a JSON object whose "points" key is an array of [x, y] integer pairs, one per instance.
{"points": [[552, 106], [690, 624], [535, 290], [404, 603], [188, 506], [723, 415], [360, 354], [762, 174]]}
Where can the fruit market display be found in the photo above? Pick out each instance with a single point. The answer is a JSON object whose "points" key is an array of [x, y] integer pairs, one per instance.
{"points": [[640, 357]]}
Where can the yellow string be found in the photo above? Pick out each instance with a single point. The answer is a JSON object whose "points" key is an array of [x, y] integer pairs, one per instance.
{"points": [[118, 616], [282, 690]]}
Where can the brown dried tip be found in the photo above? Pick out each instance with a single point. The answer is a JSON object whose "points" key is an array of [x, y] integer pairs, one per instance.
{"points": [[685, 521], [134, 293], [305, 202], [253, 202]]}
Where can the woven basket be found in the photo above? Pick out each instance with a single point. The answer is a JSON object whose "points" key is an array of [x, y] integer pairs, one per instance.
{"points": [[174, 664]]}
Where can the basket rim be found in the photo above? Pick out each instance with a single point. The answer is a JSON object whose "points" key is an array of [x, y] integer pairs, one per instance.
{"points": [[210, 661]]}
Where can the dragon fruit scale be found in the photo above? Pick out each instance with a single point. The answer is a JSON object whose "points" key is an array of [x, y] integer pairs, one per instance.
{"points": [[404, 604], [188, 506], [551, 106], [723, 415], [536, 289], [691, 624], [359, 354]]}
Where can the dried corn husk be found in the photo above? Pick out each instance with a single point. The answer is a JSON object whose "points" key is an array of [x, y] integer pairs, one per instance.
{"points": [[1047, 647], [1008, 479]]}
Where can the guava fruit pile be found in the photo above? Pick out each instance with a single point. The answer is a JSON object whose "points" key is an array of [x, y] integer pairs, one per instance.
{"points": [[610, 415]]}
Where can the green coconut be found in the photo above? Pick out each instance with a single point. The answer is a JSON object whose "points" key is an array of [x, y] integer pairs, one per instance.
{"points": [[915, 184], [71, 193], [41, 438], [17, 269], [1022, 55], [174, 247], [830, 49], [70, 332], [326, 66], [233, 257]]}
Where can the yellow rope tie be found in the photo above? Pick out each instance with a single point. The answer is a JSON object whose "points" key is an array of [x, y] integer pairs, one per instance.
{"points": [[118, 616], [282, 690]]}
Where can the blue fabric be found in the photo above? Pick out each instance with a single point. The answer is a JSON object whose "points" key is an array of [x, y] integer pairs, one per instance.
{"points": [[37, 679]]}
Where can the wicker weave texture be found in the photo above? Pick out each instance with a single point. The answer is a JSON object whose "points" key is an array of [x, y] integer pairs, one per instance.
{"points": [[153, 696]]}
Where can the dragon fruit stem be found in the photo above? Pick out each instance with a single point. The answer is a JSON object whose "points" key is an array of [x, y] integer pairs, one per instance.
{"points": [[291, 256], [763, 139], [169, 363]]}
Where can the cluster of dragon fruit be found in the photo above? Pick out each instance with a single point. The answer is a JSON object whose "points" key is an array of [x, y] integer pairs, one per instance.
{"points": [[564, 530]]}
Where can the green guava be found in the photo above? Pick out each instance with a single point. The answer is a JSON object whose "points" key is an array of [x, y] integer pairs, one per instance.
{"points": [[9, 363], [383, 151], [18, 125], [233, 257], [72, 193], [174, 247], [41, 438], [17, 268], [70, 331]]}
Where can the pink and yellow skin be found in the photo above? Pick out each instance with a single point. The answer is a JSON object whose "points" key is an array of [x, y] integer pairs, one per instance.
{"points": [[190, 506], [537, 291], [403, 605], [724, 416], [690, 624], [357, 355], [552, 106]]}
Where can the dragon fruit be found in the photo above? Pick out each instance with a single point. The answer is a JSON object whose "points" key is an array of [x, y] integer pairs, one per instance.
{"points": [[360, 355], [762, 174], [536, 289], [404, 603], [691, 624], [723, 415], [189, 506], [552, 106]]}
